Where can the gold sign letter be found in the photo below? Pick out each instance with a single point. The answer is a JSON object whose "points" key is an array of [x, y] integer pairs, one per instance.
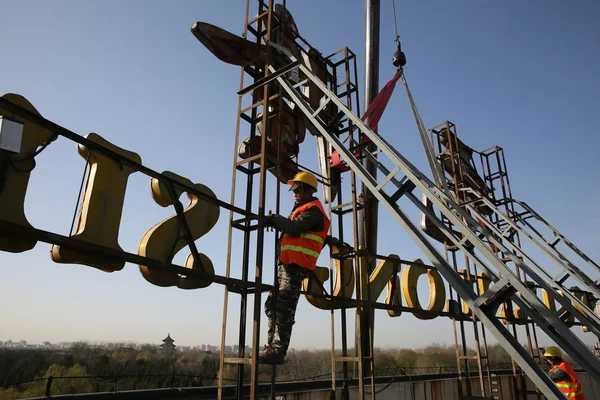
{"points": [[567, 317], [483, 284], [165, 238], [383, 277], [17, 170], [100, 216], [314, 284], [394, 297], [587, 298], [437, 290]]}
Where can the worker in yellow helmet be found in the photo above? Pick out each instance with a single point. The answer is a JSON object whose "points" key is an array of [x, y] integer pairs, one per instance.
{"points": [[303, 235], [562, 373]]}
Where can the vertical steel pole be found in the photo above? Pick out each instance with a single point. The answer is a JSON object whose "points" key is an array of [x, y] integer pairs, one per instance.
{"points": [[368, 217], [372, 27]]}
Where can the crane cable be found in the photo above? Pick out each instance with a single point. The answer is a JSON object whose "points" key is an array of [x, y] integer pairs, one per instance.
{"points": [[438, 175], [397, 40], [436, 169]]}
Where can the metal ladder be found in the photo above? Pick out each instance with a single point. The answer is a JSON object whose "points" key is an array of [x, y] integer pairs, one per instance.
{"points": [[470, 272], [497, 187], [347, 206], [403, 179], [550, 244], [250, 172], [509, 225], [558, 237]]}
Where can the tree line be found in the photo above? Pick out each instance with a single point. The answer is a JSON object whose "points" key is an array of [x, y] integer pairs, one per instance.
{"points": [[95, 368]]}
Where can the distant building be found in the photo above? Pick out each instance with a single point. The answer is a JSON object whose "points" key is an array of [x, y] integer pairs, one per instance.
{"points": [[212, 349], [167, 346]]}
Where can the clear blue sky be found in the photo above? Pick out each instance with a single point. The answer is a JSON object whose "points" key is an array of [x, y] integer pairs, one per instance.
{"points": [[522, 75]]}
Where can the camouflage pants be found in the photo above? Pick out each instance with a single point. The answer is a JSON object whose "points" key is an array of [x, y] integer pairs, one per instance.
{"points": [[281, 310]]}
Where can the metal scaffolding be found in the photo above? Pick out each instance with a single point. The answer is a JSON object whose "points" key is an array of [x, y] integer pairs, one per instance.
{"points": [[269, 104], [463, 177], [258, 114], [473, 237], [343, 215], [495, 175], [444, 140]]}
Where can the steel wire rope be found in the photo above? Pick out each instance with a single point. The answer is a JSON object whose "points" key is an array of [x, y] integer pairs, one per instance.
{"points": [[397, 40], [82, 187]]}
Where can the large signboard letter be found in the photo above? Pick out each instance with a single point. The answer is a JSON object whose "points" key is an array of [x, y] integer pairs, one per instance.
{"points": [[341, 289], [437, 290], [102, 206], [16, 171], [165, 239]]}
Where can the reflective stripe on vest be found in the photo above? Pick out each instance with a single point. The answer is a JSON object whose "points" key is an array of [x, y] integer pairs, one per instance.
{"points": [[310, 236], [304, 250], [300, 249], [571, 389]]}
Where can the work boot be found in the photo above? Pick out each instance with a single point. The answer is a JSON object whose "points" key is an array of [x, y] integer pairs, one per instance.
{"points": [[270, 355]]}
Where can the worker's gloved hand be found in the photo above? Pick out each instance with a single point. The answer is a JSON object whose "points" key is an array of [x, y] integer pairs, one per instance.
{"points": [[333, 241], [269, 220], [541, 350]]}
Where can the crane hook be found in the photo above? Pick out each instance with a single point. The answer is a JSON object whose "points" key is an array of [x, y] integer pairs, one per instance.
{"points": [[399, 59]]}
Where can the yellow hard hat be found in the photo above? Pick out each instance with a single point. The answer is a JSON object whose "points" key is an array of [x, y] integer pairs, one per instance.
{"points": [[552, 351], [305, 177]]}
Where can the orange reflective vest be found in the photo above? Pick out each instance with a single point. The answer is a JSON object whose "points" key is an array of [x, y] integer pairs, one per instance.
{"points": [[572, 389], [304, 250]]}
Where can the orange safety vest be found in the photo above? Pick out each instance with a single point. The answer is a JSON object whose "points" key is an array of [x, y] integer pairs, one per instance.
{"points": [[572, 389], [304, 250]]}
